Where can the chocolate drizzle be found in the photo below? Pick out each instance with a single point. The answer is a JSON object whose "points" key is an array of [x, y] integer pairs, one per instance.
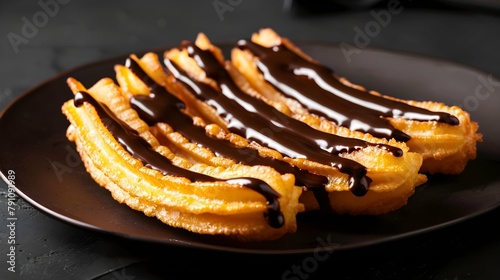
{"points": [[142, 150], [255, 120], [162, 106], [318, 89]]}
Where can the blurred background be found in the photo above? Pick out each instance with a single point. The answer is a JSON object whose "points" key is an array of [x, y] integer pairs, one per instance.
{"points": [[40, 39]]}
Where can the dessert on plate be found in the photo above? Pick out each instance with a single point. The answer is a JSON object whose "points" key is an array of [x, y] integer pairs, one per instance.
{"points": [[240, 147]]}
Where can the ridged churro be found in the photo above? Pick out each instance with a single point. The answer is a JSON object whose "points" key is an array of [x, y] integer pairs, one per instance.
{"points": [[119, 152], [282, 73]]}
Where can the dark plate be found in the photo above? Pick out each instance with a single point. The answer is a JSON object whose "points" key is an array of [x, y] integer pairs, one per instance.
{"points": [[50, 175]]}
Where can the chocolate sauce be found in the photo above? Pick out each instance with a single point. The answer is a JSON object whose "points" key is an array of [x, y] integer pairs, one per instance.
{"points": [[318, 89], [257, 121], [142, 150], [162, 106]]}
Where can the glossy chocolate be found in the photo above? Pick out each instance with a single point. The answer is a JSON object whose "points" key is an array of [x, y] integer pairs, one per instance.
{"points": [[319, 90], [162, 106], [255, 120], [142, 150]]}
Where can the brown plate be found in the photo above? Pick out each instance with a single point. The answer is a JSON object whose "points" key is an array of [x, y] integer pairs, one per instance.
{"points": [[50, 175]]}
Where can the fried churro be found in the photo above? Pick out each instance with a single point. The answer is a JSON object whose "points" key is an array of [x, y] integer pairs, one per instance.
{"points": [[281, 72]]}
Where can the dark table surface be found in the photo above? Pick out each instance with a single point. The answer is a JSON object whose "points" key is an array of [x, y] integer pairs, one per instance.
{"points": [[77, 32]]}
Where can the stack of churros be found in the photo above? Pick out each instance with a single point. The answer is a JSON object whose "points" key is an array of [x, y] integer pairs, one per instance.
{"points": [[221, 146]]}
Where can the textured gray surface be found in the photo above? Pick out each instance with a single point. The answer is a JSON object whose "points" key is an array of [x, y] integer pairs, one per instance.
{"points": [[79, 32]]}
